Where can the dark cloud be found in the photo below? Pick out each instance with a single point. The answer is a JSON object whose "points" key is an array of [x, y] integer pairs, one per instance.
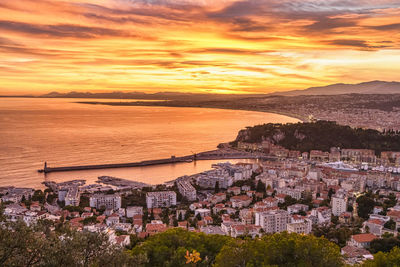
{"points": [[355, 43], [115, 19], [387, 27], [326, 24], [6, 41], [248, 25], [60, 30], [239, 9], [165, 13], [236, 51]]}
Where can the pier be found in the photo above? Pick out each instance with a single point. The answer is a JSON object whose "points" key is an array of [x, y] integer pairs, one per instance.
{"points": [[218, 154]]}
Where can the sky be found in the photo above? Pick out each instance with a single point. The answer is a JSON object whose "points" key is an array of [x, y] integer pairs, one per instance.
{"points": [[203, 46]]}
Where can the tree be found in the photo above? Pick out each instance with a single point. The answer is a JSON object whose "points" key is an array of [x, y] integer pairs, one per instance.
{"points": [[38, 195], [216, 187], [260, 187], [381, 259], [38, 246], [283, 250], [84, 201], [330, 193], [170, 248], [383, 244], [365, 206], [390, 224]]}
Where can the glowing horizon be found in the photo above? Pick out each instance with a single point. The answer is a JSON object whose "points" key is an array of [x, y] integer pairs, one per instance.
{"points": [[200, 46]]}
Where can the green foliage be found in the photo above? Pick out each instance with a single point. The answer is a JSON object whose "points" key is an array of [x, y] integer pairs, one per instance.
{"points": [[390, 224], [338, 235], [216, 187], [384, 244], [38, 195], [365, 206], [50, 198], [169, 248], [281, 249], [260, 187], [135, 198], [38, 246], [73, 208], [323, 135], [90, 220], [381, 259], [288, 201], [84, 201]]}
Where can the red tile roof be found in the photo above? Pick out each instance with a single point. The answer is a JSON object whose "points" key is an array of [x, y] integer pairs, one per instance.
{"points": [[364, 238]]}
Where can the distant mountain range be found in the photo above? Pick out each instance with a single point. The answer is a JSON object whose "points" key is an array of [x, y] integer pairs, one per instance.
{"points": [[148, 96], [374, 87]]}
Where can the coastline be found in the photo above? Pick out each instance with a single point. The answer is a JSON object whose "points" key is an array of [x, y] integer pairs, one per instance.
{"points": [[192, 105]]}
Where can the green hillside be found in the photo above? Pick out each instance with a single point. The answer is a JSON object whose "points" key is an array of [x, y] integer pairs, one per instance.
{"points": [[320, 135]]}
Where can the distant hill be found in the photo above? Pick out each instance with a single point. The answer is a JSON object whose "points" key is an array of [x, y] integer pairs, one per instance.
{"points": [[149, 96], [373, 87]]}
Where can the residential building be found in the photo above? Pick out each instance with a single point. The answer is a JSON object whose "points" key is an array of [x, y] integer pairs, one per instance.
{"points": [[304, 227], [186, 189], [361, 240], [112, 201], [240, 201], [72, 197], [160, 199], [134, 210], [296, 208], [339, 204], [272, 221]]}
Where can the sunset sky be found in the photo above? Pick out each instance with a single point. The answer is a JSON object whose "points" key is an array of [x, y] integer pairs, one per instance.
{"points": [[219, 46]]}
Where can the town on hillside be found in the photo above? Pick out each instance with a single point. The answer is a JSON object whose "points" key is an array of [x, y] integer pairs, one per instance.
{"points": [[350, 196]]}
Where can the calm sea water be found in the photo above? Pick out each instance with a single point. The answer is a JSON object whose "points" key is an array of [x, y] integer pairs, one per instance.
{"points": [[64, 133]]}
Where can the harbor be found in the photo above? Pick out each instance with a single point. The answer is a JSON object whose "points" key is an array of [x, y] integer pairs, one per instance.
{"points": [[219, 154]]}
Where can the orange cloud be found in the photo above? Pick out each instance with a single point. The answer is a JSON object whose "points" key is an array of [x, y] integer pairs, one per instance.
{"points": [[195, 45]]}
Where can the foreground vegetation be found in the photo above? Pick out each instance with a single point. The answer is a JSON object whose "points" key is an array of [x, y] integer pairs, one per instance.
{"points": [[321, 135], [44, 245]]}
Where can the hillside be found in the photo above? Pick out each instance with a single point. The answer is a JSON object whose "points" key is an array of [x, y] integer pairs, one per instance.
{"points": [[320, 135], [373, 87]]}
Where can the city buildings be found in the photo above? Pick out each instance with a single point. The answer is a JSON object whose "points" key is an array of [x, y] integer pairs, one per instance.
{"points": [[160, 199]]}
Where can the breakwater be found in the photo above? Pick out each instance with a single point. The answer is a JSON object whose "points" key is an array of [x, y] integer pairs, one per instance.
{"points": [[219, 154]]}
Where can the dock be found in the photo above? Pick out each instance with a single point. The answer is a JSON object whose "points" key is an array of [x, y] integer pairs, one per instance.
{"points": [[218, 154]]}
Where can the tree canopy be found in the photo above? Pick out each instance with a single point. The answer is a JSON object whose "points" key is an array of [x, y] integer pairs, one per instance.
{"points": [[321, 135], [281, 249]]}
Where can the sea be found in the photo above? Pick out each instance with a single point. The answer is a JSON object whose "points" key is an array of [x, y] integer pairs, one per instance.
{"points": [[63, 133]]}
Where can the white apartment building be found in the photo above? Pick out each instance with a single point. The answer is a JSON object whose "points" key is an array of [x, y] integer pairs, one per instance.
{"points": [[339, 204], [323, 215], [160, 199], [294, 193], [210, 179], [105, 201], [272, 221], [304, 227], [296, 208], [72, 197], [133, 210], [187, 190]]}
